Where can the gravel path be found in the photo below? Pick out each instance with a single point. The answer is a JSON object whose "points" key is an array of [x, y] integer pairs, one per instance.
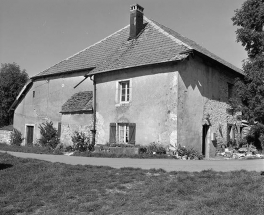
{"points": [[166, 164]]}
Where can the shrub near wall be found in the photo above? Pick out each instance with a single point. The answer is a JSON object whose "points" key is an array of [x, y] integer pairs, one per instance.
{"points": [[16, 137], [49, 135]]}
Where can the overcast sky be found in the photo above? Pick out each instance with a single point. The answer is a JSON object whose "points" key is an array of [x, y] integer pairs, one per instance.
{"points": [[37, 34]]}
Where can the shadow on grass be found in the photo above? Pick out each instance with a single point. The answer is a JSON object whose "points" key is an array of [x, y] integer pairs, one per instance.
{"points": [[5, 166]]}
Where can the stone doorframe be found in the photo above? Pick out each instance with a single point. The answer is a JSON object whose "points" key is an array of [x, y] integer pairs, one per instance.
{"points": [[25, 133], [207, 138]]}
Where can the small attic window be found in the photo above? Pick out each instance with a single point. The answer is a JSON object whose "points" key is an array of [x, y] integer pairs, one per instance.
{"points": [[34, 94]]}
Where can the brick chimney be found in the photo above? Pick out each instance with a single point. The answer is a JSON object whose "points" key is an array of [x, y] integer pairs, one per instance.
{"points": [[136, 20]]}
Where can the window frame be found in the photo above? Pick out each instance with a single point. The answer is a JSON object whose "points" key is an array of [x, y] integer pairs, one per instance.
{"points": [[125, 127], [127, 91], [34, 133]]}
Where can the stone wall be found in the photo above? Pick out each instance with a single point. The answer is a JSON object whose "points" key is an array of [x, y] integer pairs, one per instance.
{"points": [[5, 136], [75, 122]]}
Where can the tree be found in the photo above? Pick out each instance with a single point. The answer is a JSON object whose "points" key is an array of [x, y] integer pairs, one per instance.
{"points": [[250, 89], [250, 19], [12, 80]]}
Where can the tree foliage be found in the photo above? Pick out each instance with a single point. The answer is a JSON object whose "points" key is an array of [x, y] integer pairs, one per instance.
{"points": [[250, 20], [250, 89], [12, 80]]}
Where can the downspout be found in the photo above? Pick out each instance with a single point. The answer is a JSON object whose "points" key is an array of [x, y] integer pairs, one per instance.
{"points": [[94, 109]]}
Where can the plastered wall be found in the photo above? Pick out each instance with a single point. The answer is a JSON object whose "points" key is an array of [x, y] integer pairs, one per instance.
{"points": [[168, 103], [50, 95], [153, 106], [203, 90]]}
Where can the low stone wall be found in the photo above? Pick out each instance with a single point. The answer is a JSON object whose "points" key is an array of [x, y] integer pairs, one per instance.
{"points": [[5, 136], [117, 150]]}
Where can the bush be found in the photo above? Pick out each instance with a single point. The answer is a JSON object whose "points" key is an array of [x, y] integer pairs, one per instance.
{"points": [[49, 135], [16, 137], [189, 153], [81, 142], [261, 138], [154, 147], [255, 136], [242, 143], [232, 144], [58, 151], [142, 150], [69, 149]]}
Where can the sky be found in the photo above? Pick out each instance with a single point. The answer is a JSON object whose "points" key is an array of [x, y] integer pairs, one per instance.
{"points": [[37, 34]]}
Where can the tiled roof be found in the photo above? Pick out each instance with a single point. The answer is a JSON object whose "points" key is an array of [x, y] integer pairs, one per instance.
{"points": [[197, 47], [155, 44], [79, 102]]}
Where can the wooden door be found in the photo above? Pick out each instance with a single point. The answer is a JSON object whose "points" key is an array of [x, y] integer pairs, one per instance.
{"points": [[30, 133]]}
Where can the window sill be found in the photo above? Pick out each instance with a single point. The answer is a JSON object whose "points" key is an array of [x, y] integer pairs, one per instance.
{"points": [[123, 104]]}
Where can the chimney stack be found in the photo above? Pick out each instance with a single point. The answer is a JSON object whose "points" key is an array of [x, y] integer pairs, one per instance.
{"points": [[136, 20]]}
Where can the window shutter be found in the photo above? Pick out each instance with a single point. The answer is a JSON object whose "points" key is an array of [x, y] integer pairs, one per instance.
{"points": [[132, 133], [59, 129], [112, 136]]}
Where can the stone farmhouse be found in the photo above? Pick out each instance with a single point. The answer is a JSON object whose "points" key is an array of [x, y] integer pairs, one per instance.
{"points": [[144, 83]]}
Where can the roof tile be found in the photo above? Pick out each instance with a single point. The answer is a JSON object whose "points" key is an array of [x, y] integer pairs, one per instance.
{"points": [[155, 44], [79, 102]]}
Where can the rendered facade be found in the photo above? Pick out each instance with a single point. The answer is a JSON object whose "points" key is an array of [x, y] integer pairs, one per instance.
{"points": [[144, 83]]}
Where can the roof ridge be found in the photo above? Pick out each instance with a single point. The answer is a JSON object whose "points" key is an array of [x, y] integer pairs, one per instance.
{"points": [[84, 49], [166, 33]]}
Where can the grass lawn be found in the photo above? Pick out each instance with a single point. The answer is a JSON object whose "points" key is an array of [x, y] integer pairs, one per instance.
{"points": [[30, 186]]}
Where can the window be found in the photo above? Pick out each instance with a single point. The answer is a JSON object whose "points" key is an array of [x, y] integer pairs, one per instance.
{"points": [[124, 91], [122, 133], [123, 94], [230, 90], [33, 94]]}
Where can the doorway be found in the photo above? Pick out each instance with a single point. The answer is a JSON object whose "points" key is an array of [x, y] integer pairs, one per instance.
{"points": [[30, 135], [205, 130]]}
